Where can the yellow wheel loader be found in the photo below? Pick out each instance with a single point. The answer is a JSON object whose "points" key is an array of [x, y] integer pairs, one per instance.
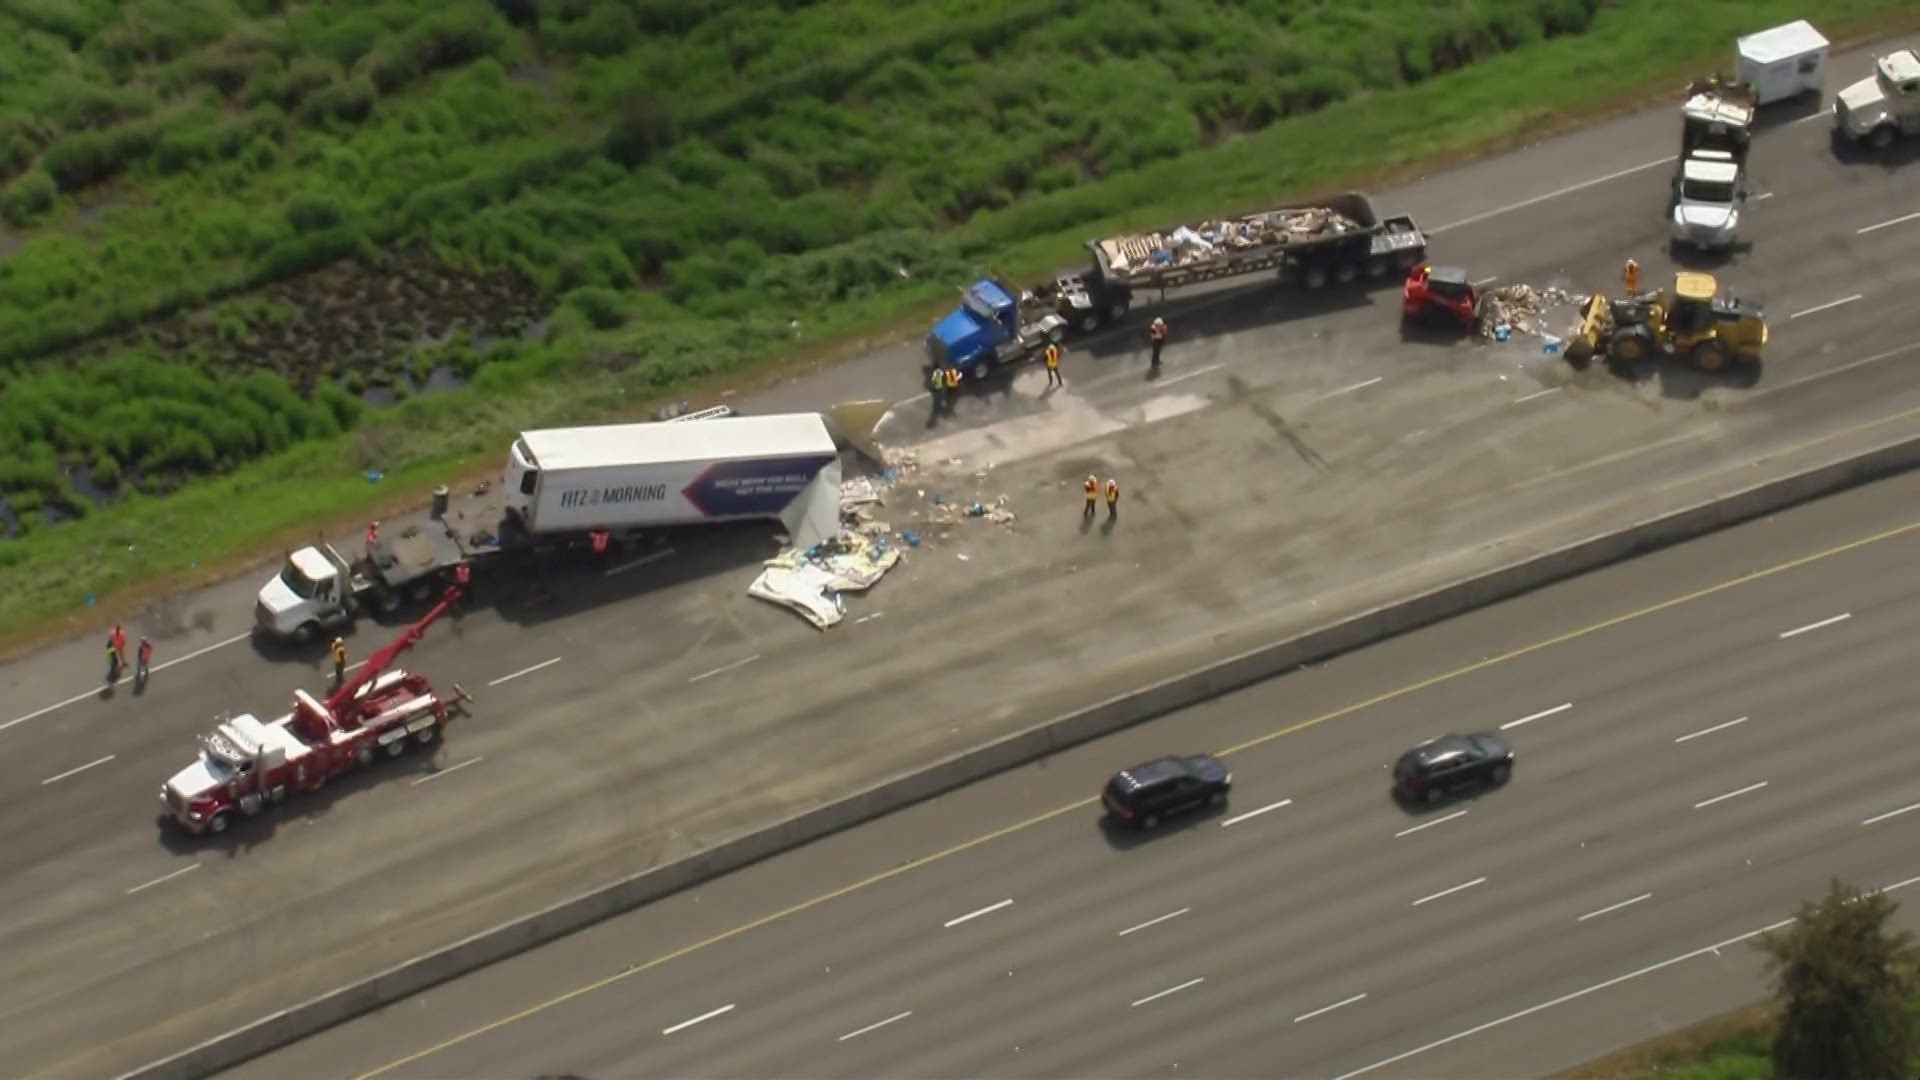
{"points": [[1690, 321]]}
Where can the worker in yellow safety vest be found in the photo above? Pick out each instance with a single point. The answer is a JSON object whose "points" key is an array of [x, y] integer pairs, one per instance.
{"points": [[339, 662], [1113, 498], [1093, 494], [1053, 366], [953, 387], [1630, 275]]}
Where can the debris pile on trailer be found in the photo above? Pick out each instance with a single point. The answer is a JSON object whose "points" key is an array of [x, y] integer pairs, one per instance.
{"points": [[1187, 244]]}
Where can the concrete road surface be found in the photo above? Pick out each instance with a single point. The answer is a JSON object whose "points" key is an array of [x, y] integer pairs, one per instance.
{"points": [[1295, 461], [1704, 737]]}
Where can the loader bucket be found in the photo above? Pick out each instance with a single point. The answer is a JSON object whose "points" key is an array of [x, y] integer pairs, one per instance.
{"points": [[852, 425], [1584, 344]]}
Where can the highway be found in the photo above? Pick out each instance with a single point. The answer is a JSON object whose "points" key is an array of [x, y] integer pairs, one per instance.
{"points": [[1372, 467], [1704, 736]]}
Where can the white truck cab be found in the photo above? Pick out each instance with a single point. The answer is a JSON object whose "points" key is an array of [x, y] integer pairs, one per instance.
{"points": [[1879, 109], [307, 594], [1708, 195]]}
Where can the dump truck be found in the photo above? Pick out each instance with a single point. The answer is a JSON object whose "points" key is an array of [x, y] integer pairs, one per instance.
{"points": [[1339, 240], [1691, 320], [1710, 174], [568, 490], [1883, 107], [246, 765]]}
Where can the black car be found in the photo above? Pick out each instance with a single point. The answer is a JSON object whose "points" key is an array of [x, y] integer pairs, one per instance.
{"points": [[1146, 794], [1452, 763]]}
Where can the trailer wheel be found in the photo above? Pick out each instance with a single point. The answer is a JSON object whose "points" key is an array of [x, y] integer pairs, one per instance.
{"points": [[386, 601], [1376, 268], [1316, 277], [1117, 311], [1345, 273]]}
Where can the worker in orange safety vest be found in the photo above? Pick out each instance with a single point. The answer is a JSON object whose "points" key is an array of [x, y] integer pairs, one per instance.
{"points": [[1113, 498], [1054, 377], [1630, 276], [1093, 494]]}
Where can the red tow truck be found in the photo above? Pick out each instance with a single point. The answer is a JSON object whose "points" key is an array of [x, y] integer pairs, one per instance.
{"points": [[247, 765]]}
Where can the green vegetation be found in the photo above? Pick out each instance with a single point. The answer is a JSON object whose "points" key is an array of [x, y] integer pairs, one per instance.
{"points": [[1846, 1006], [582, 205]]}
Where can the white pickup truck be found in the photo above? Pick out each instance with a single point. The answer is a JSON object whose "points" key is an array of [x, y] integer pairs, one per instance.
{"points": [[1883, 107], [1709, 193]]}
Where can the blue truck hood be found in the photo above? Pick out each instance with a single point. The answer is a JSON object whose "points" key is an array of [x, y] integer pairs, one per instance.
{"points": [[960, 337]]}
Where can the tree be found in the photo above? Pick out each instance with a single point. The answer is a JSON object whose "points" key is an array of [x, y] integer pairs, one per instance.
{"points": [[1843, 983]]}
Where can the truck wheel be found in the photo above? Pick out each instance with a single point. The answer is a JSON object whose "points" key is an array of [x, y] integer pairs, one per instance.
{"points": [[1316, 277], [219, 824], [1710, 357], [1089, 322], [1882, 137], [386, 601], [1057, 335], [396, 747], [306, 632], [1376, 268], [363, 756], [1345, 273], [1409, 259], [424, 736], [1117, 311]]}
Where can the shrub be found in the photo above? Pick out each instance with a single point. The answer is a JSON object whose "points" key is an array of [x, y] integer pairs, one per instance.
{"points": [[30, 195], [603, 308]]}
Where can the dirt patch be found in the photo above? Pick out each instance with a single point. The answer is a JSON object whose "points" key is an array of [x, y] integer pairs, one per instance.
{"points": [[355, 320]]}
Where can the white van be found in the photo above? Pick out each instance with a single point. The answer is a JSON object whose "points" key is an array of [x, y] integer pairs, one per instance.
{"points": [[1784, 62]]}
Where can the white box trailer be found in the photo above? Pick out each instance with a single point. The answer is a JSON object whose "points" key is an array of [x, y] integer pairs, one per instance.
{"points": [[621, 477], [1783, 62]]}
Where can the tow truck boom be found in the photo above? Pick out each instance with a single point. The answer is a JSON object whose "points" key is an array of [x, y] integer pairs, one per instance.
{"points": [[379, 662]]}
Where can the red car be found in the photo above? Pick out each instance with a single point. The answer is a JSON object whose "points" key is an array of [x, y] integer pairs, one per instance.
{"points": [[1440, 294]]}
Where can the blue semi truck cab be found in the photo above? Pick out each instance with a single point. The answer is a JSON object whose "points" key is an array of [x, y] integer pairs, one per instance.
{"points": [[993, 327]]}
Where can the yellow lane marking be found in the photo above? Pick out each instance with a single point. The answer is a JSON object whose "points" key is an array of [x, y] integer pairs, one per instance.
{"points": [[1348, 710]]}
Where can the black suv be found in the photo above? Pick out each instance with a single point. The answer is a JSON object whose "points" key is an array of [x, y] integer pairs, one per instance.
{"points": [[1145, 794], [1452, 763]]}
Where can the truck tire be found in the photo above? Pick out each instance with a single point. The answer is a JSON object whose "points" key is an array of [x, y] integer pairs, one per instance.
{"points": [[363, 757], [396, 747], [1057, 335], [1316, 277], [1629, 347], [1377, 268], [219, 823], [386, 601], [1345, 273], [306, 632], [425, 735], [1410, 259], [1090, 322], [1710, 356], [1118, 310], [1882, 137]]}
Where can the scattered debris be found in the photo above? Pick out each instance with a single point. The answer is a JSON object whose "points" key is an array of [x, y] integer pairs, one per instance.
{"points": [[1523, 309], [810, 582], [1186, 244]]}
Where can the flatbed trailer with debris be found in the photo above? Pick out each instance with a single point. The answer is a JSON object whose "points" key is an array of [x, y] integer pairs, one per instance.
{"points": [[1339, 240]]}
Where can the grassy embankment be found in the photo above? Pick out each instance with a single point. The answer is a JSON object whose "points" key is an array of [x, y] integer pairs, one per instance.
{"points": [[698, 192], [1736, 1046]]}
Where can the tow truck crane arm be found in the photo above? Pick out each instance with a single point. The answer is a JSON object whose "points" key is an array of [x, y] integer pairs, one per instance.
{"points": [[380, 661]]}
